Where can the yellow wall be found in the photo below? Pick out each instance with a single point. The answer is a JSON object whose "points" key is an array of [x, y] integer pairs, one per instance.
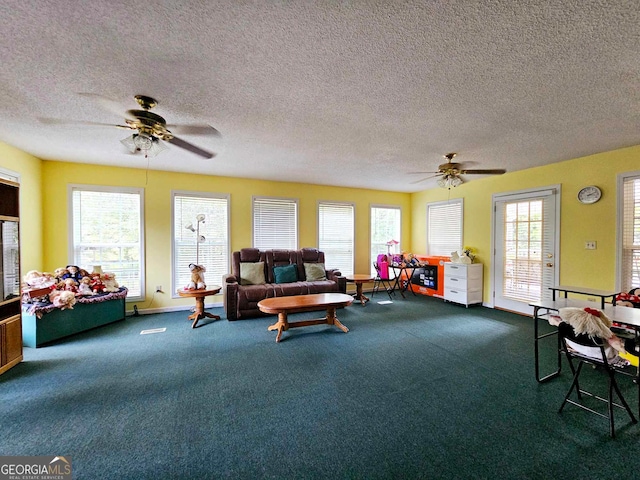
{"points": [[578, 222], [44, 210], [31, 232], [158, 189]]}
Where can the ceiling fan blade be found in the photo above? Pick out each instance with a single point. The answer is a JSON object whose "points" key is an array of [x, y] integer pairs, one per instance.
{"points": [[421, 173], [178, 142], [425, 178], [59, 121], [109, 105], [194, 130], [496, 171]]}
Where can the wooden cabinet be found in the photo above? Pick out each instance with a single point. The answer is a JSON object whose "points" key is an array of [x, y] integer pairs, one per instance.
{"points": [[10, 342], [10, 308], [463, 283]]}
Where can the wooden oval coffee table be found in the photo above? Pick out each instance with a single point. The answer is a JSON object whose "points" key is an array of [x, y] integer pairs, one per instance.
{"points": [[282, 306], [359, 279], [199, 295]]}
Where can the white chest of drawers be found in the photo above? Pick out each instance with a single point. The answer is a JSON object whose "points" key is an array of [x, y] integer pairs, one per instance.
{"points": [[463, 283]]}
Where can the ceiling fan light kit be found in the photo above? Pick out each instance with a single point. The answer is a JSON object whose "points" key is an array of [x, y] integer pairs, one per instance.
{"points": [[145, 143], [449, 181]]}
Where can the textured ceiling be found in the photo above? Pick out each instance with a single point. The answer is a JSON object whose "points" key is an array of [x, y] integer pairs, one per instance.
{"points": [[352, 93]]}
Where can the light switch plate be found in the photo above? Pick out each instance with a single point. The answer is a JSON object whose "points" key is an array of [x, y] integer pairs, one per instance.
{"points": [[590, 245]]}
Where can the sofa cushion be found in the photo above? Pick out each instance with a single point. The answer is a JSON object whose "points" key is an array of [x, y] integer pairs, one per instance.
{"points": [[250, 295], [285, 274], [252, 273], [323, 286], [314, 272]]}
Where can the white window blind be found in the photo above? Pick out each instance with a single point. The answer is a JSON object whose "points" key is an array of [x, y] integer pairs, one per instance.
{"points": [[385, 226], [336, 235], [107, 230], [444, 227], [527, 235], [275, 223], [213, 251], [630, 228], [10, 259]]}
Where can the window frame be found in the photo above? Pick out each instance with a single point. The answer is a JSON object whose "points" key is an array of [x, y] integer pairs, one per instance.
{"points": [[294, 201], [444, 203], [204, 195], [10, 175], [353, 233], [71, 188], [399, 239], [620, 227]]}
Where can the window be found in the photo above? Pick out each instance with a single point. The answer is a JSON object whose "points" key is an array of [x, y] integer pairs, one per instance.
{"points": [[628, 231], [106, 226], [336, 235], [444, 227], [212, 251], [9, 175], [275, 223], [385, 227]]}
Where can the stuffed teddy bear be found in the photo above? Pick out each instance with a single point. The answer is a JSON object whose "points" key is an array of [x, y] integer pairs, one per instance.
{"points": [[62, 299], [197, 277], [109, 281]]}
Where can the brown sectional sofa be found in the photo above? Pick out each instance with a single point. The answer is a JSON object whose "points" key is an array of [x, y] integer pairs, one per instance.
{"points": [[241, 299]]}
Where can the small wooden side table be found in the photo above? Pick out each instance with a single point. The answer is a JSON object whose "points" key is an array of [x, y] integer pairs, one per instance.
{"points": [[359, 279], [199, 295]]}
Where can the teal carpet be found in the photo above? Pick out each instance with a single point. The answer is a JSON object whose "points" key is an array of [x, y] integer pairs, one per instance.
{"points": [[416, 389]]}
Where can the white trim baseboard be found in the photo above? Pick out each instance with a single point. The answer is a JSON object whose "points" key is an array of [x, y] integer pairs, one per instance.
{"points": [[149, 311]]}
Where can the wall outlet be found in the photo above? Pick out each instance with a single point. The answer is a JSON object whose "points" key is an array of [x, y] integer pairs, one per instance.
{"points": [[158, 288], [590, 245]]}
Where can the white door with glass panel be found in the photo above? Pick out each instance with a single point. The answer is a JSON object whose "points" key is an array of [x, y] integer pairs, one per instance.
{"points": [[525, 262]]}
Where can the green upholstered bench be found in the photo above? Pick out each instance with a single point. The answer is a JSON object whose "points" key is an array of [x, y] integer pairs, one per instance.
{"points": [[42, 326]]}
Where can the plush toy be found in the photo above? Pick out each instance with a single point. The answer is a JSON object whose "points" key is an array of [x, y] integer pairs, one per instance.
{"points": [[73, 271], [62, 299], [84, 288], [197, 277], [59, 273], [109, 281], [35, 279], [70, 285], [96, 283], [457, 258]]}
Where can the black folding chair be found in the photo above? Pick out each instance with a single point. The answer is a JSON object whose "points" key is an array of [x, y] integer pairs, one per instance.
{"points": [[584, 350], [378, 281]]}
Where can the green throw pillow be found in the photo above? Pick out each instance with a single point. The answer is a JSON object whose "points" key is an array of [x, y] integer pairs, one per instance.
{"points": [[252, 273], [285, 274], [314, 272]]}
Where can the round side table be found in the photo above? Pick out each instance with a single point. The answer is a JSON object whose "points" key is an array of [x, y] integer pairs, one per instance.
{"points": [[199, 295], [359, 279]]}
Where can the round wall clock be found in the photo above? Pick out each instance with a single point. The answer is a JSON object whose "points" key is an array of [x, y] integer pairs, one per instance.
{"points": [[590, 194]]}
